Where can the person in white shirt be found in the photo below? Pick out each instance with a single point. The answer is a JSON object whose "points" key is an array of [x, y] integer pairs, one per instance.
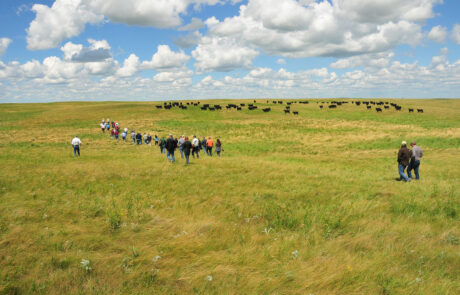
{"points": [[195, 147], [76, 142], [102, 127]]}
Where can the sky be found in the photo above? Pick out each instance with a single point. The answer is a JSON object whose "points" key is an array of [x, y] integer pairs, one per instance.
{"points": [[70, 50]]}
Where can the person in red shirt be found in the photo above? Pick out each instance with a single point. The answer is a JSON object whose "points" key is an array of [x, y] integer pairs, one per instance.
{"points": [[112, 134], [209, 145]]}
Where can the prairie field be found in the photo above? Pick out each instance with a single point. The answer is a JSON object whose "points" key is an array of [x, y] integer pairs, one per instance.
{"points": [[296, 204]]}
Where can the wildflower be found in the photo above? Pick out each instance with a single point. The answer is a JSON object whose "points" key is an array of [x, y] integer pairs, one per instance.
{"points": [[295, 254], [209, 278], [267, 231], [86, 264], [156, 258]]}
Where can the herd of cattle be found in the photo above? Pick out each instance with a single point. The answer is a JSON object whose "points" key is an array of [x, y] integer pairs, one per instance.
{"points": [[379, 105]]}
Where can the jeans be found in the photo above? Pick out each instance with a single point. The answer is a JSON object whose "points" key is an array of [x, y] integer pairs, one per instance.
{"points": [[124, 138], [162, 149], [134, 139], [170, 155], [413, 165], [209, 151], [187, 158], [401, 172], [181, 152], [76, 149], [116, 136], [218, 153], [139, 141], [205, 149]]}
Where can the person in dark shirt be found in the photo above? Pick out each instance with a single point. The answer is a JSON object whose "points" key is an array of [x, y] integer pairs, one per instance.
{"points": [[404, 156], [171, 145], [162, 144], [139, 138], [218, 147], [186, 147]]}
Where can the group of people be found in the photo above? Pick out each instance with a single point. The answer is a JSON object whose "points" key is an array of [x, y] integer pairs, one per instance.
{"points": [[409, 159], [169, 145]]}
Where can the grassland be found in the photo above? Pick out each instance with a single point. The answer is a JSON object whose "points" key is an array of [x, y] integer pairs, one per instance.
{"points": [[296, 204]]}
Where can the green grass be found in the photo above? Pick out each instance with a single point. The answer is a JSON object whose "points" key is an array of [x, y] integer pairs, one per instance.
{"points": [[296, 204]]}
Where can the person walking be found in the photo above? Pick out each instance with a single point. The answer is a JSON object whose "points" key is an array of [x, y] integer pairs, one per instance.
{"points": [[156, 139], [107, 126], [162, 144], [133, 136], [195, 147], [180, 142], [218, 147], [102, 125], [139, 138], [403, 161], [76, 143], [116, 134], [203, 145], [414, 164], [112, 133], [149, 138], [186, 147], [123, 135], [209, 145], [171, 145]]}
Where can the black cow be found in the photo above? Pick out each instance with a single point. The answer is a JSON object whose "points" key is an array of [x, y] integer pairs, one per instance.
{"points": [[332, 106], [419, 110], [287, 111], [295, 113], [386, 107], [369, 107], [378, 109], [411, 110], [266, 110], [320, 107]]}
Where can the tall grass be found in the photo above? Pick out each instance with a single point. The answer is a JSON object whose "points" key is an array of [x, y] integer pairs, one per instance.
{"points": [[296, 204]]}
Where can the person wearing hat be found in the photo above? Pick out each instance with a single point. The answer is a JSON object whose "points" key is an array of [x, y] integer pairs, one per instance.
{"points": [[76, 142], [404, 156], [416, 155]]}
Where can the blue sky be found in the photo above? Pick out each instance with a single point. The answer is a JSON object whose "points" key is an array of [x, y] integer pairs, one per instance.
{"points": [[57, 50]]}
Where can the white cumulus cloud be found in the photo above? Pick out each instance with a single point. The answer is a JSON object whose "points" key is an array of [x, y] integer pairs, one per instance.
{"points": [[67, 18], [335, 28], [438, 34], [456, 33], [222, 54], [4, 43], [165, 59]]}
